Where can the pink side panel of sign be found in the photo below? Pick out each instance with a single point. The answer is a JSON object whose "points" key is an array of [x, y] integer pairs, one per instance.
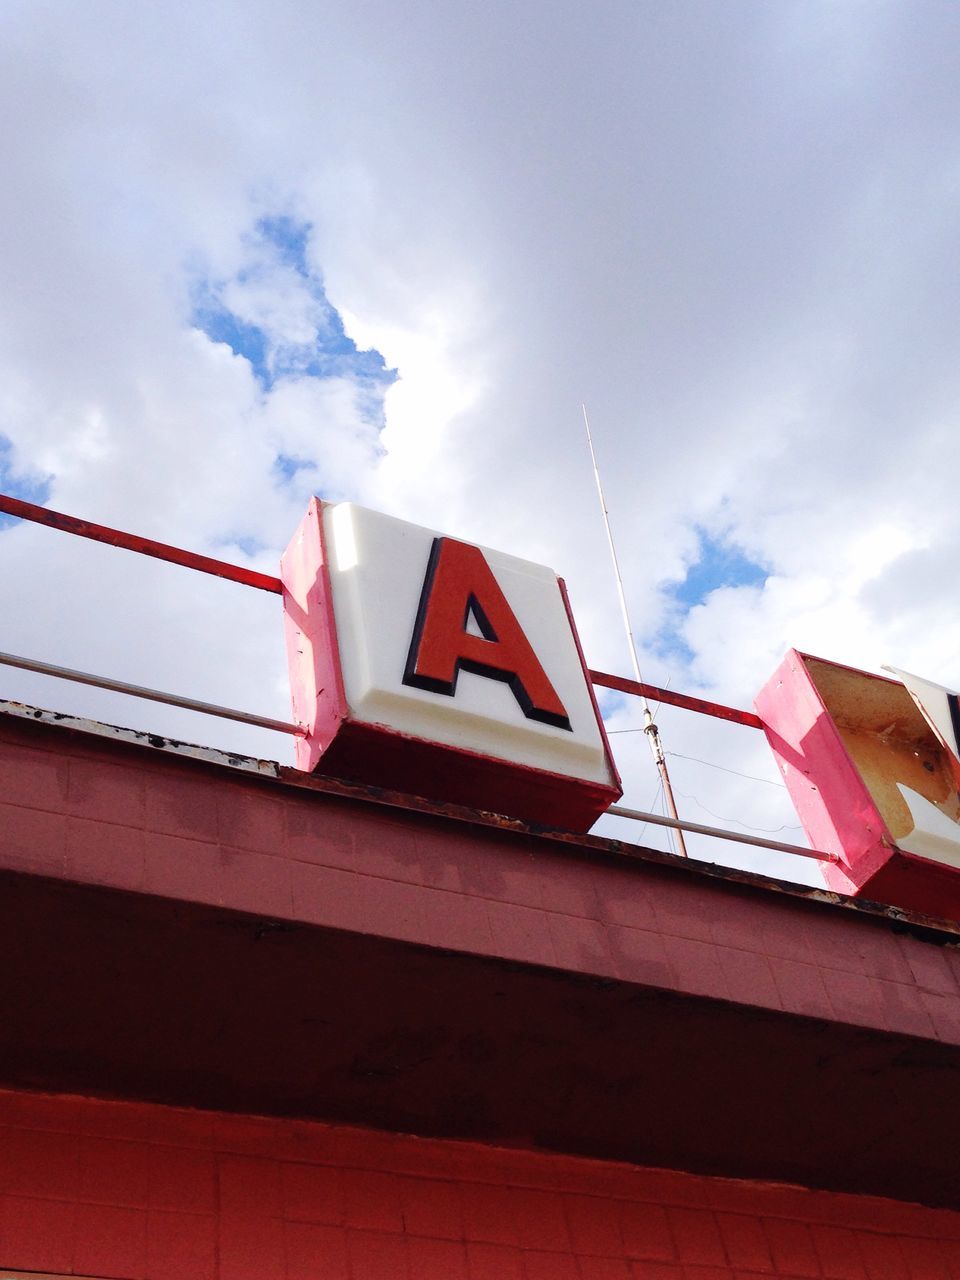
{"points": [[831, 799], [316, 685]]}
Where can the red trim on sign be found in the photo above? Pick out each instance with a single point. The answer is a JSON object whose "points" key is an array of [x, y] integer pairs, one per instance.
{"points": [[134, 542], [397, 761]]}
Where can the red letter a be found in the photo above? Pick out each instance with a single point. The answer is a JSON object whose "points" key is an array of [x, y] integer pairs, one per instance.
{"points": [[460, 582]]}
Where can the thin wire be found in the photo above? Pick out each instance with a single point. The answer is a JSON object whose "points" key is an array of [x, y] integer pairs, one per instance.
{"points": [[769, 831], [725, 833], [655, 713], [649, 809], [656, 710], [656, 797], [709, 763], [663, 810]]}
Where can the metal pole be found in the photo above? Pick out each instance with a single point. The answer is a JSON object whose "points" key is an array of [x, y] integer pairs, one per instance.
{"points": [[657, 819], [151, 695], [649, 725]]}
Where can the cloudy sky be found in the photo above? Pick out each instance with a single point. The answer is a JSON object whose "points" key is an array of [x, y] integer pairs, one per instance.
{"points": [[251, 252]]}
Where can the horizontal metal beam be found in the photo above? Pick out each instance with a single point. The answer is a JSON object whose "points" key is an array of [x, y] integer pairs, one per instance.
{"points": [[134, 542], [697, 828], [151, 695], [656, 694]]}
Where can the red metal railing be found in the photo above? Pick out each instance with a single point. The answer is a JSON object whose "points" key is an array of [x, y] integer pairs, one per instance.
{"points": [[656, 694], [266, 582], [134, 542]]}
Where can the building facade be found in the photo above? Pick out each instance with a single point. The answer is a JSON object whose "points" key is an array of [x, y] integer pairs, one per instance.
{"points": [[257, 1024]]}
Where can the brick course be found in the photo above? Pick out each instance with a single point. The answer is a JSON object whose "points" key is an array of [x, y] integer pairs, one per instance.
{"points": [[97, 812], [133, 1191]]}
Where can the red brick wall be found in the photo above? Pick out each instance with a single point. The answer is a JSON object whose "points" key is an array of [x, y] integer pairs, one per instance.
{"points": [[152, 1193], [82, 809]]}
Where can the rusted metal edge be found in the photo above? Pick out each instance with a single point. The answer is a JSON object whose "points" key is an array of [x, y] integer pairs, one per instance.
{"points": [[7, 1274], [602, 847], [139, 738], [134, 542], [689, 703]]}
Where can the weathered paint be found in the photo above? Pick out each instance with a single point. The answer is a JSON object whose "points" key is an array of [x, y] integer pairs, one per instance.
{"points": [[939, 707], [211, 938], [313, 652], [379, 797], [139, 738], [848, 743]]}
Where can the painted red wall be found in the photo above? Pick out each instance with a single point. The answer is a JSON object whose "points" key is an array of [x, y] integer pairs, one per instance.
{"points": [[202, 936], [153, 1193]]}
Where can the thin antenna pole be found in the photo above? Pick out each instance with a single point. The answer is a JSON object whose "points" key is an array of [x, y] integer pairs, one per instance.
{"points": [[649, 724]]}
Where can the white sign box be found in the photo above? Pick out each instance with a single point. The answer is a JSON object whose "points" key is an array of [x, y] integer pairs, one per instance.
{"points": [[426, 664]]}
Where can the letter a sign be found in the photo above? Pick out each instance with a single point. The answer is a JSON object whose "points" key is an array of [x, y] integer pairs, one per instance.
{"points": [[427, 665], [460, 584]]}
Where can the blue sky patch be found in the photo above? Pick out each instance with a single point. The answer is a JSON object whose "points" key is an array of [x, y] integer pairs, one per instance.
{"points": [[277, 260], [289, 237], [287, 467], [249, 546], [611, 701], [31, 488], [718, 564], [246, 340]]}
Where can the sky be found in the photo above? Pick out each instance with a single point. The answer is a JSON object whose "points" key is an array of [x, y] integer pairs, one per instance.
{"points": [[383, 252]]}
